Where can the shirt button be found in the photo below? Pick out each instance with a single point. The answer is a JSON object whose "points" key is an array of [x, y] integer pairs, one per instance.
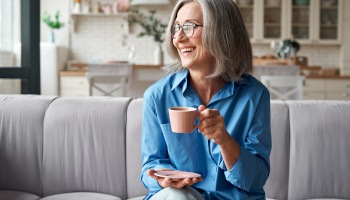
{"points": [[243, 183]]}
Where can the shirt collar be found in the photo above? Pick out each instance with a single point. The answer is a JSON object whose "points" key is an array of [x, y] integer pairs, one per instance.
{"points": [[179, 77]]}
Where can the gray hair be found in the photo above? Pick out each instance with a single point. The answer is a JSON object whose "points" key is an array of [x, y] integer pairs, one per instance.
{"points": [[224, 37]]}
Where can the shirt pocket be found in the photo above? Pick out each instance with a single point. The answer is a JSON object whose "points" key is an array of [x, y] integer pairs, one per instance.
{"points": [[185, 150]]}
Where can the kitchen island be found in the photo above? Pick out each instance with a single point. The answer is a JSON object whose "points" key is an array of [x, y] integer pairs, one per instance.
{"points": [[316, 87], [76, 83]]}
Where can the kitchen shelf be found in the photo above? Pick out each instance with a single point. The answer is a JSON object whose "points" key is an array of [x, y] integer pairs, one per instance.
{"points": [[100, 14], [75, 17]]}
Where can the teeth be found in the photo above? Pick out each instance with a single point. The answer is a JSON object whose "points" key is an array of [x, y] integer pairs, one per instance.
{"points": [[187, 50]]}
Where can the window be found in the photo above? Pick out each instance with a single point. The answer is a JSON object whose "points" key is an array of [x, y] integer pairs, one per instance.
{"points": [[29, 72], [6, 25]]}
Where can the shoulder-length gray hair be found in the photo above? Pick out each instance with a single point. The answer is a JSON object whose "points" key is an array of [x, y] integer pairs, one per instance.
{"points": [[224, 37]]}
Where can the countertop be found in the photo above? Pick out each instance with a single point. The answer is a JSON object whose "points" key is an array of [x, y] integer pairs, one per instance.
{"points": [[82, 72], [328, 77], [136, 67]]}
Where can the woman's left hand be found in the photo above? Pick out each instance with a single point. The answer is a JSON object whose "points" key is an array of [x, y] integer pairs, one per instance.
{"points": [[212, 125]]}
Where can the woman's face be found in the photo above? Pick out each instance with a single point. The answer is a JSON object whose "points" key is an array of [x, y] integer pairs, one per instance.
{"points": [[191, 51]]}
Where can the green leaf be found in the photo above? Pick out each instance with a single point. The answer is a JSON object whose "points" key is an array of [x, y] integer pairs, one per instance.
{"points": [[53, 24]]}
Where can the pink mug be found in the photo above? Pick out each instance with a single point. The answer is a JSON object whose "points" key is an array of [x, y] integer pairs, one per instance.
{"points": [[182, 119]]}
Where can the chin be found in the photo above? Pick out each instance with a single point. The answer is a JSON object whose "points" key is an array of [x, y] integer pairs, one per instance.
{"points": [[187, 64]]}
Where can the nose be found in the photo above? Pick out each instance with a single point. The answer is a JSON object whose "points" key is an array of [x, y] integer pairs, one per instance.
{"points": [[180, 35]]}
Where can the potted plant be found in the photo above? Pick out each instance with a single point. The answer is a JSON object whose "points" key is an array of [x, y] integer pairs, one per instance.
{"points": [[152, 26], [52, 24]]}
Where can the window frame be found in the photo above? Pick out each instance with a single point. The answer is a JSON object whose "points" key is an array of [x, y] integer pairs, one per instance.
{"points": [[29, 72]]}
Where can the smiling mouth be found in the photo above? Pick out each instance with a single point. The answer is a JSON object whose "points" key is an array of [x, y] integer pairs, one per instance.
{"points": [[187, 50]]}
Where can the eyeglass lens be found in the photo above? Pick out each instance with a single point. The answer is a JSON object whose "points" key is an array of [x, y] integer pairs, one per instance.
{"points": [[187, 28]]}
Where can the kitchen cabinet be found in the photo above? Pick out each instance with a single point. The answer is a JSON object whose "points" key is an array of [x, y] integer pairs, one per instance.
{"points": [[314, 89], [310, 22], [327, 89], [74, 84], [320, 22]]}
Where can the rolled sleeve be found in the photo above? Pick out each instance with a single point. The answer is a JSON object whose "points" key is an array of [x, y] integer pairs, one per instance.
{"points": [[252, 167], [244, 173]]}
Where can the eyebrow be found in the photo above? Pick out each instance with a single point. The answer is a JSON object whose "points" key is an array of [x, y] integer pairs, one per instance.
{"points": [[189, 20]]}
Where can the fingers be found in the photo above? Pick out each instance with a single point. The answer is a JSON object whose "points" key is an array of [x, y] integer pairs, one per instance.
{"points": [[201, 108], [210, 121], [152, 171], [187, 182], [212, 124], [168, 182]]}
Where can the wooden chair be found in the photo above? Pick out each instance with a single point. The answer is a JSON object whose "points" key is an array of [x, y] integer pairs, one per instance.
{"points": [[109, 79], [284, 87]]}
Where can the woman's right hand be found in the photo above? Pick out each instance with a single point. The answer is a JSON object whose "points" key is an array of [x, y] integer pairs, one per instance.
{"points": [[168, 182]]}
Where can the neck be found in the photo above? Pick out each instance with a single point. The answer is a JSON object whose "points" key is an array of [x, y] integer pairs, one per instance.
{"points": [[206, 88]]}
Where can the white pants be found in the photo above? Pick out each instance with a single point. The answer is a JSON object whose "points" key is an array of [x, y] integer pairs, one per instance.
{"points": [[177, 194]]}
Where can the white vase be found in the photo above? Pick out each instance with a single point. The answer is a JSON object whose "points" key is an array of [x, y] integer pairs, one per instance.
{"points": [[158, 55]]}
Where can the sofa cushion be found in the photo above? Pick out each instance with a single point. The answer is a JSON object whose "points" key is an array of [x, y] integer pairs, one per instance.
{"points": [[84, 146], [81, 196], [135, 187], [319, 149], [138, 198], [276, 186], [15, 195], [21, 142]]}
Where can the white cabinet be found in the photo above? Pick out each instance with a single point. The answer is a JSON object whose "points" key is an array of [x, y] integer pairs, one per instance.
{"points": [[74, 85], [314, 89], [309, 21], [337, 89], [320, 22], [327, 89]]}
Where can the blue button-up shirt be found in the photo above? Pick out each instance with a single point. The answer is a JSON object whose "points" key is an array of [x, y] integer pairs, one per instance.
{"points": [[245, 107]]}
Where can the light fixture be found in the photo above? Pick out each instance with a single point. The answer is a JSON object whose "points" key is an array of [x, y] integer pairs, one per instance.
{"points": [[149, 2]]}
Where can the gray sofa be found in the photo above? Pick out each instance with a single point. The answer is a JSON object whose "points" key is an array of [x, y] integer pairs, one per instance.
{"points": [[88, 148]]}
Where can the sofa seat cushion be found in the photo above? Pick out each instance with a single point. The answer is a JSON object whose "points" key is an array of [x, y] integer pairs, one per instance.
{"points": [[80, 196], [137, 198], [15, 195]]}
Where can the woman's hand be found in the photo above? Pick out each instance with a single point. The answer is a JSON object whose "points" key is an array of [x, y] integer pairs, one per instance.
{"points": [[168, 182], [212, 125]]}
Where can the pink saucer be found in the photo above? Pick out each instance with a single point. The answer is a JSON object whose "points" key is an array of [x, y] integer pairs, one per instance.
{"points": [[176, 175]]}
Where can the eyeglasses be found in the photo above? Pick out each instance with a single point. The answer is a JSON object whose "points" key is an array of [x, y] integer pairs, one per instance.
{"points": [[187, 28]]}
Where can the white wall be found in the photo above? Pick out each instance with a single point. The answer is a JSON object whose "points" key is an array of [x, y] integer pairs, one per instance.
{"points": [[62, 35], [103, 38]]}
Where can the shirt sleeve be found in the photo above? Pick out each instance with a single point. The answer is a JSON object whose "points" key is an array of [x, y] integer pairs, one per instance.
{"points": [[252, 167], [153, 147]]}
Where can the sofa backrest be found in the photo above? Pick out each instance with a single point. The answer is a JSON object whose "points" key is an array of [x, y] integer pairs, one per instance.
{"points": [[276, 186], [84, 146], [51, 145], [133, 150], [319, 149], [21, 142]]}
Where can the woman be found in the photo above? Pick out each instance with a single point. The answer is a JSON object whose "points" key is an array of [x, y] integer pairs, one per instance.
{"points": [[231, 147]]}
